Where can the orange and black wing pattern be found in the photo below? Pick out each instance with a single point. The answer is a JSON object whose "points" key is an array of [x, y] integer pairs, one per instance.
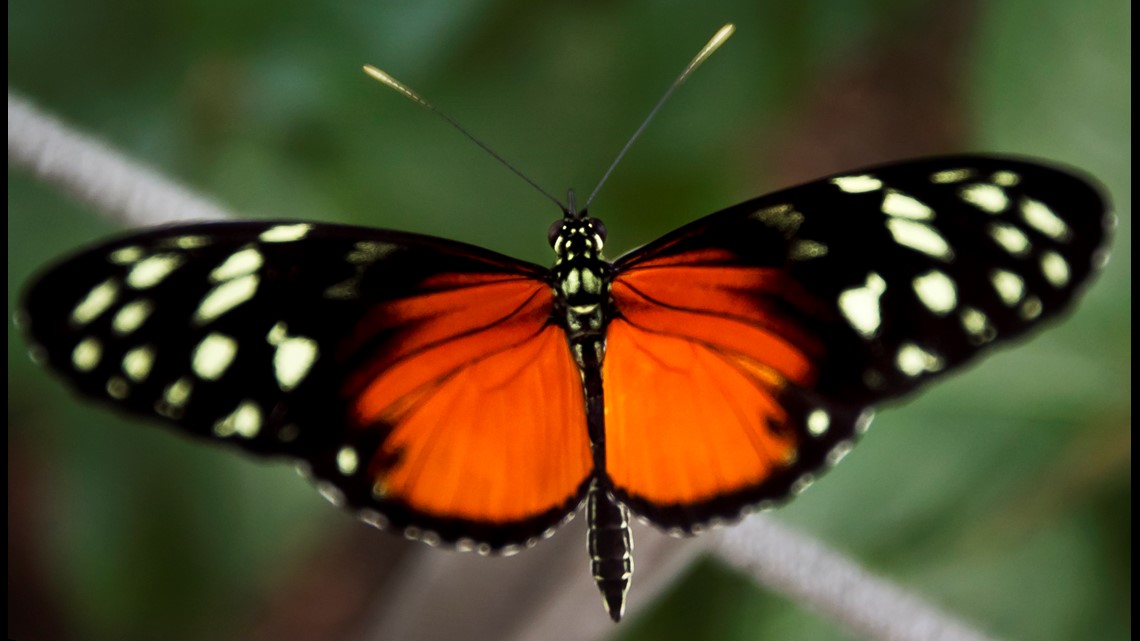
{"points": [[745, 350], [420, 380]]}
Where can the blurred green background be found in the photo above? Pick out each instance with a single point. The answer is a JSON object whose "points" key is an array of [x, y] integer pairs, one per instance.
{"points": [[1003, 495]]}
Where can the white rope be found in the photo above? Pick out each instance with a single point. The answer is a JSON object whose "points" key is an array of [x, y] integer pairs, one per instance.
{"points": [[97, 175], [823, 580], [778, 557]]}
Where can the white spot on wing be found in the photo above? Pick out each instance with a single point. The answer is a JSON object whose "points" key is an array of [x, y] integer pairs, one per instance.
{"points": [[1012, 239], [977, 325], [1008, 285], [245, 421], [213, 356], [137, 363], [224, 297], [903, 206], [1005, 178], [152, 270], [240, 263], [818, 422], [1041, 218], [174, 398], [913, 360], [989, 198], [95, 302], [860, 305], [126, 255], [951, 176], [347, 460], [920, 237], [131, 317], [936, 291], [117, 388], [285, 233], [1055, 268], [857, 184], [190, 242], [807, 249], [85, 357], [293, 360], [782, 218]]}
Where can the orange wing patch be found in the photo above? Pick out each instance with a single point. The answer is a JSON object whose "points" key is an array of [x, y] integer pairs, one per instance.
{"points": [[479, 397], [694, 367]]}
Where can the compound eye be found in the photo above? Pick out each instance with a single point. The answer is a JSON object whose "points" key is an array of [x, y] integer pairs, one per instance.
{"points": [[600, 229], [555, 231]]}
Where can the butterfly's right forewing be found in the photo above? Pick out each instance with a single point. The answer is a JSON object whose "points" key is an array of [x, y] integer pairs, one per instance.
{"points": [[356, 351]]}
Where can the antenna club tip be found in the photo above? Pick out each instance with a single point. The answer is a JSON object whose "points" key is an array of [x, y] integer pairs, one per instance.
{"points": [[376, 73]]}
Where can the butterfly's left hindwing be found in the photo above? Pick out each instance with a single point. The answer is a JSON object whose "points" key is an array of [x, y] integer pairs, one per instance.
{"points": [[770, 328], [351, 349]]}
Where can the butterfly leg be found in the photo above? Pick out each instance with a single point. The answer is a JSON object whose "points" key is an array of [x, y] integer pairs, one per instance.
{"points": [[610, 544]]}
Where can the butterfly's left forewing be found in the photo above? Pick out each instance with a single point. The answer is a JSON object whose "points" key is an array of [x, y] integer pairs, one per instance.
{"points": [[771, 328], [396, 366]]}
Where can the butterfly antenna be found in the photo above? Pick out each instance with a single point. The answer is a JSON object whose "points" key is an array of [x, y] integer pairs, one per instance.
{"points": [[712, 45], [408, 93]]}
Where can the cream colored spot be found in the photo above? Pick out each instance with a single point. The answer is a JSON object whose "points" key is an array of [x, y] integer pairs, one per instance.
{"points": [[191, 242], [857, 184], [920, 237], [366, 252], [977, 325], [1055, 268], [913, 360], [807, 249], [590, 282], [860, 305], [126, 255], [277, 333], [85, 357], [285, 233], [951, 176], [151, 271], [138, 362], [899, 204], [225, 297], [1005, 178], [131, 317], [175, 396], [240, 263], [1008, 285], [782, 218], [572, 283], [117, 388], [989, 198], [178, 392], [1043, 219], [1012, 239], [213, 356], [936, 291], [245, 421], [818, 422], [1031, 308], [347, 461], [293, 360], [95, 302]]}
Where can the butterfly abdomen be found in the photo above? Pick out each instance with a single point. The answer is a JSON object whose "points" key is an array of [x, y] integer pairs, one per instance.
{"points": [[610, 544]]}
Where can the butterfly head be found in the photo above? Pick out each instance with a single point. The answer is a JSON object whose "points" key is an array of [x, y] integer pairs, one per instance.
{"points": [[577, 237]]}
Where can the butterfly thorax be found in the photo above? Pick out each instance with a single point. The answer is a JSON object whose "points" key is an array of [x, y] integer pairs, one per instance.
{"points": [[580, 278]]}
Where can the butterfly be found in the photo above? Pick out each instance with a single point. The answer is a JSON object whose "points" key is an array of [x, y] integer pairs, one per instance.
{"points": [[458, 396]]}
